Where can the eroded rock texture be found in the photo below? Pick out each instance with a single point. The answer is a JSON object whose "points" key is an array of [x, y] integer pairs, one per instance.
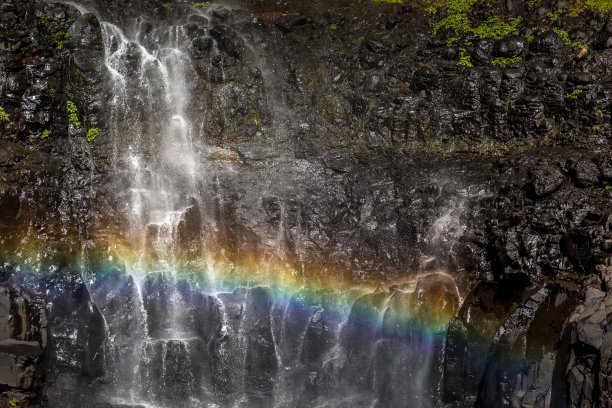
{"points": [[334, 140]]}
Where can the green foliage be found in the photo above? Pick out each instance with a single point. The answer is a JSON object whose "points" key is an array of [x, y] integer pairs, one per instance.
{"points": [[596, 128], [603, 6], [556, 15], [608, 187], [459, 23], [459, 17], [574, 94], [3, 116], [504, 61], [389, 1], [44, 19], [577, 7], [334, 26], [202, 4], [45, 134], [13, 401], [458, 20], [73, 113], [495, 28], [168, 5], [566, 39], [59, 38], [596, 109], [458, 6], [464, 60], [92, 134]]}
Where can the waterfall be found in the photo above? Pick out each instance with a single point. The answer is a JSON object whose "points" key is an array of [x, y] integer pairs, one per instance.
{"points": [[190, 338], [150, 95]]}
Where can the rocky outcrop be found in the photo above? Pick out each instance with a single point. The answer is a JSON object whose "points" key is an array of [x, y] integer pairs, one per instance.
{"points": [[23, 337], [589, 373], [528, 356], [76, 330]]}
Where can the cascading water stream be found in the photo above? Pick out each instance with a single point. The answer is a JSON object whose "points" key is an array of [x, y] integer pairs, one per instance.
{"points": [[148, 106], [241, 346]]}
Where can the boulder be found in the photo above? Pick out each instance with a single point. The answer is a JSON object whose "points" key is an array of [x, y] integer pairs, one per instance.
{"points": [[228, 40], [546, 179], [547, 42], [510, 47], [288, 22], [585, 172]]}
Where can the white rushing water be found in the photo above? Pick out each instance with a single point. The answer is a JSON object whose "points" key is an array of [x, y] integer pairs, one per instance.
{"points": [[150, 97], [253, 347]]}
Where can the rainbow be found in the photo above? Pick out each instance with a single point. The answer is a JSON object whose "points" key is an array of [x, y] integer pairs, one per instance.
{"points": [[427, 300]]}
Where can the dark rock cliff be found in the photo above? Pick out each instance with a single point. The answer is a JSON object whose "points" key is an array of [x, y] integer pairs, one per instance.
{"points": [[353, 127]]}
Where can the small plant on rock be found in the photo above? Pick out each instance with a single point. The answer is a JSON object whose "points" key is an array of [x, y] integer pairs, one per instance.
{"points": [[92, 134], [13, 401], [59, 38], [599, 112], [566, 39], [505, 61], [3, 116], [495, 28], [73, 113], [555, 16], [168, 5], [45, 134], [464, 60], [574, 94], [44, 19], [202, 4]]}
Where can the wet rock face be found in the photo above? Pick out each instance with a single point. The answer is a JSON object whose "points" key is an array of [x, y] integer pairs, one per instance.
{"points": [[261, 361], [409, 358], [76, 328], [527, 358], [170, 370], [23, 338], [75, 354], [469, 337], [513, 342], [307, 133], [590, 367]]}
